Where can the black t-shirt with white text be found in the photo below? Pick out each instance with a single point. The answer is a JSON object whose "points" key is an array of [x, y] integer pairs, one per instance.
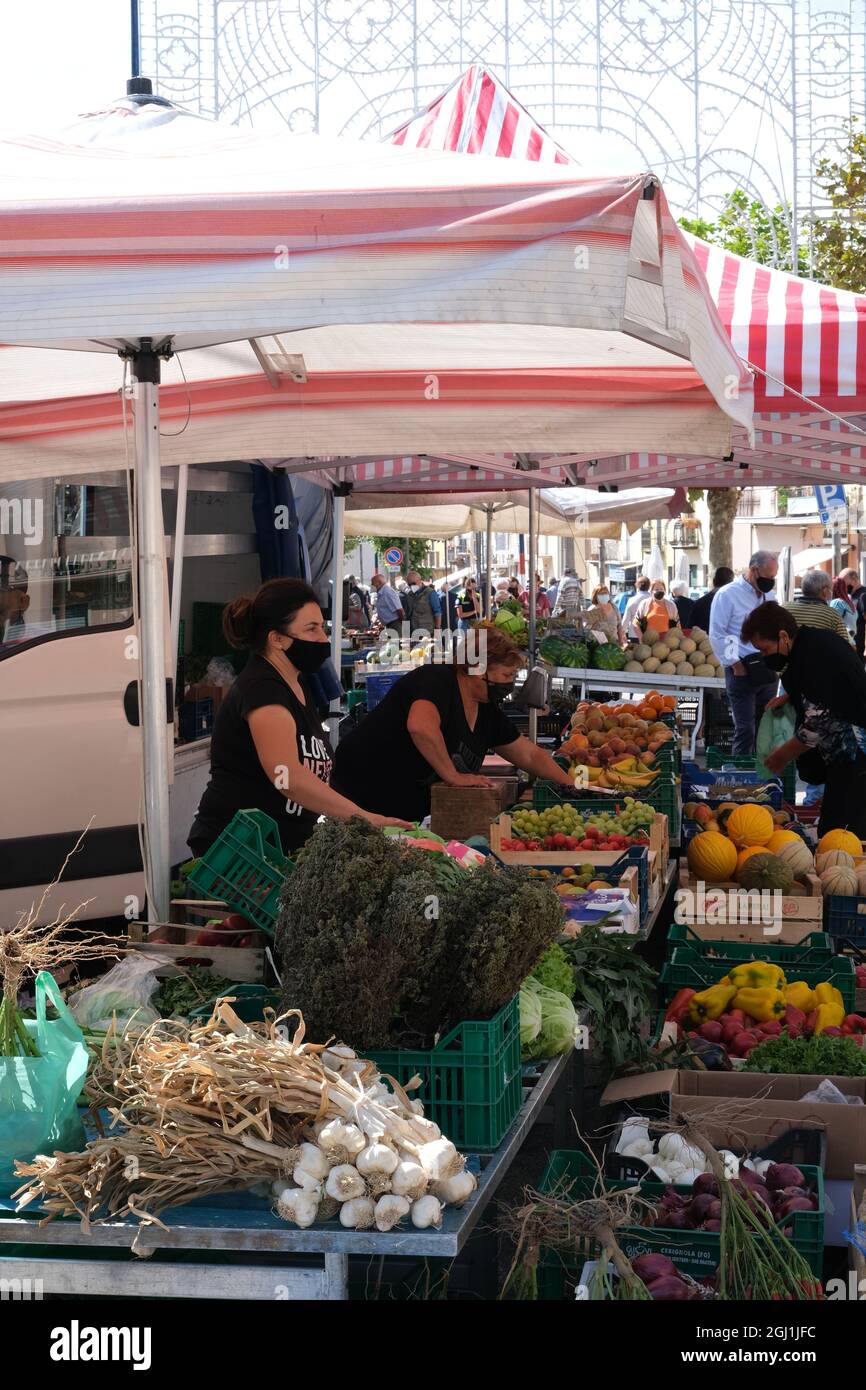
{"points": [[378, 766], [237, 779]]}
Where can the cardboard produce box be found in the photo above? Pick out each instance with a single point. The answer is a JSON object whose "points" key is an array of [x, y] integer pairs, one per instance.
{"points": [[770, 1105], [456, 813], [729, 903]]}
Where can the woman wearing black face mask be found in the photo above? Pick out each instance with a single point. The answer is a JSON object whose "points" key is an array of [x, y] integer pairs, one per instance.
{"points": [[826, 683], [269, 749], [437, 724]]}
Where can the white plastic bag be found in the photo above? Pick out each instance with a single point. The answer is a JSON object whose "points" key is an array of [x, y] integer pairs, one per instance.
{"points": [[828, 1094], [123, 993]]}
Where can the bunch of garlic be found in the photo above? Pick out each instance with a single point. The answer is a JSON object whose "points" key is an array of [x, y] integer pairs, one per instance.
{"points": [[369, 1177], [673, 1159]]}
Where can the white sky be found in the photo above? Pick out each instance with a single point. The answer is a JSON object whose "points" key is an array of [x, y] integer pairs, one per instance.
{"points": [[58, 58]]}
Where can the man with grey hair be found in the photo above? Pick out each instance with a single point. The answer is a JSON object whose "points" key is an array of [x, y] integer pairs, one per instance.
{"points": [[684, 604], [749, 683], [813, 608]]}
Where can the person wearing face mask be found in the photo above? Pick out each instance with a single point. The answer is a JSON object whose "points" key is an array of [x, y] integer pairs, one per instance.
{"points": [[825, 681], [856, 591], [603, 616], [657, 612], [269, 748], [437, 724], [749, 682]]}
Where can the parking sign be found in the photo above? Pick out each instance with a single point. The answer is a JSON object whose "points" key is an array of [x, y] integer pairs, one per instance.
{"points": [[394, 556]]}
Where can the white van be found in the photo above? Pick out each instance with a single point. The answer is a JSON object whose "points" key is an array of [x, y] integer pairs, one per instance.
{"points": [[71, 748]]}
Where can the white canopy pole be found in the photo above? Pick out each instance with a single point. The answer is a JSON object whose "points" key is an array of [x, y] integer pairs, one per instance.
{"points": [[487, 609], [177, 560], [532, 498], [152, 663], [339, 537]]}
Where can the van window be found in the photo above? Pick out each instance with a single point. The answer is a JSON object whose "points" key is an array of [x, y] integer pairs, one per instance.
{"points": [[65, 559]]}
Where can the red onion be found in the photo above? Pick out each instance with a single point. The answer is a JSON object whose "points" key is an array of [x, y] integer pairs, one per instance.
{"points": [[795, 1204], [747, 1178], [677, 1221], [780, 1175], [706, 1182], [714, 1224], [714, 1211], [699, 1206], [649, 1267], [670, 1288]]}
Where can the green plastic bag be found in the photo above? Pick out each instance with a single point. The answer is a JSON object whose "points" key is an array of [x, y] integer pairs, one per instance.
{"points": [[775, 728], [38, 1095]]}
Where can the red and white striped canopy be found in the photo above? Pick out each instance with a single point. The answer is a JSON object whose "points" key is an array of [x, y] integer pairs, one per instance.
{"points": [[327, 298], [800, 336]]}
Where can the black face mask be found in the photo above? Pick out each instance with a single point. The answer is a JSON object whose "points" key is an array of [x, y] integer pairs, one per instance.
{"points": [[499, 690], [765, 585], [777, 661], [658, 594], [308, 657], [850, 588]]}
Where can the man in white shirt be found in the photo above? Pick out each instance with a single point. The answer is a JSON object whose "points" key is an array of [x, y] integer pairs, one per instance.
{"points": [[637, 598], [389, 608], [745, 676]]}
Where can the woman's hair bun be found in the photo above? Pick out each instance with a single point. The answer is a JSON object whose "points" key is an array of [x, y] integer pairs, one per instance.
{"points": [[238, 621]]}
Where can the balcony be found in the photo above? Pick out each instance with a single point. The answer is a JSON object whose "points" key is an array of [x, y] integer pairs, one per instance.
{"points": [[686, 535]]}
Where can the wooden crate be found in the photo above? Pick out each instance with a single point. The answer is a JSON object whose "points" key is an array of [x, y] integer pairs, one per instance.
{"points": [[658, 844], [803, 906], [242, 964], [457, 813]]}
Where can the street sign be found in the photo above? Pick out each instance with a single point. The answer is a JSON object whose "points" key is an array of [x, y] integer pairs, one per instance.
{"points": [[832, 505], [394, 556]]}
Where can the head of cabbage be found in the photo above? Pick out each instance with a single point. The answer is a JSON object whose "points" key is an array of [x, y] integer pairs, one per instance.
{"points": [[558, 1027]]}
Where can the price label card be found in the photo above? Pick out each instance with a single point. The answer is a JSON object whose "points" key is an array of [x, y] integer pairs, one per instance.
{"points": [[581, 776]]}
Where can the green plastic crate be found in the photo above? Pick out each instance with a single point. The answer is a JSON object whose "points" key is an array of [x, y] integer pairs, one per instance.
{"points": [[812, 950], [688, 970], [245, 868], [694, 1252], [472, 1081], [717, 757], [664, 798]]}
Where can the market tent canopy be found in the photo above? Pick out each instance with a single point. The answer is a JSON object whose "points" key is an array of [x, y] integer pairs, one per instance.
{"points": [[375, 298], [799, 336], [570, 512], [809, 559]]}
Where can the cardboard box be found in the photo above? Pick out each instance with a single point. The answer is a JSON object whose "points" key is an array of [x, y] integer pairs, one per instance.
{"points": [[201, 690], [658, 842], [757, 1107], [723, 904], [241, 964]]}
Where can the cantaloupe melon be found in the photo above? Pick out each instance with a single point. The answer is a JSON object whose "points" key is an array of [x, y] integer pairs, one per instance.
{"points": [[766, 871], [633, 666], [704, 670], [780, 838], [841, 880], [745, 854], [688, 645], [672, 638], [832, 859], [797, 853], [667, 668], [651, 663], [642, 651], [661, 650], [685, 668]]}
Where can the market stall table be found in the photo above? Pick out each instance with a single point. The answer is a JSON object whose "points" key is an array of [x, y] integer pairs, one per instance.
{"points": [[689, 689], [240, 1222]]}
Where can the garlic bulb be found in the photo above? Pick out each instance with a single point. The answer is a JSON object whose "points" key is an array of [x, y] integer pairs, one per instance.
{"points": [[345, 1182], [376, 1158], [440, 1160], [298, 1205], [312, 1166], [389, 1210], [425, 1129], [337, 1056], [357, 1213], [417, 1107], [427, 1211], [340, 1142], [453, 1192], [409, 1180]]}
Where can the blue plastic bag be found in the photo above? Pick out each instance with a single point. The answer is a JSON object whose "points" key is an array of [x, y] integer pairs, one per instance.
{"points": [[39, 1095], [775, 728]]}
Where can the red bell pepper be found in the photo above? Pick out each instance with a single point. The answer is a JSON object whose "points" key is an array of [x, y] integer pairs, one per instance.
{"points": [[795, 1021], [854, 1023], [679, 1006]]}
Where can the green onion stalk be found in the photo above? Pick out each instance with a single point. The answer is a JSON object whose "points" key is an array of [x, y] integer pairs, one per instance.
{"points": [[15, 1041]]}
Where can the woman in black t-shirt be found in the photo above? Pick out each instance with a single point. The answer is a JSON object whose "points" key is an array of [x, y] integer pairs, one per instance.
{"points": [[437, 724], [269, 749]]}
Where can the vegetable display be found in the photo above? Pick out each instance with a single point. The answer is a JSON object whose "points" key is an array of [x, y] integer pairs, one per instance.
{"points": [[821, 1055], [615, 986], [564, 827], [550, 1028], [558, 651], [673, 653], [373, 948], [622, 740], [219, 1107]]}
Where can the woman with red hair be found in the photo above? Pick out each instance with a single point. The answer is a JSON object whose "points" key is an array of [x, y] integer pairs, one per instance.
{"points": [[841, 601]]}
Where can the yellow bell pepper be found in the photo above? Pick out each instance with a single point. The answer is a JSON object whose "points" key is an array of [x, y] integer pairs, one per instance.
{"points": [[801, 996], [763, 1005], [828, 994], [829, 1016], [710, 1003], [757, 974]]}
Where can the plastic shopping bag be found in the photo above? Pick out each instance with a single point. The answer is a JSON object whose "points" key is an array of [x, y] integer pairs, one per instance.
{"points": [[123, 993], [39, 1095], [775, 728]]}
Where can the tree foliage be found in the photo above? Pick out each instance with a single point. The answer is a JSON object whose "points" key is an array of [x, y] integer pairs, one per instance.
{"points": [[747, 228], [839, 239], [414, 551]]}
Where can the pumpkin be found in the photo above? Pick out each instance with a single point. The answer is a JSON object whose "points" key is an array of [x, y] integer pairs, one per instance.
{"points": [[750, 825], [780, 838], [745, 854], [841, 880], [711, 856], [833, 859], [840, 839], [797, 854], [767, 871]]}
